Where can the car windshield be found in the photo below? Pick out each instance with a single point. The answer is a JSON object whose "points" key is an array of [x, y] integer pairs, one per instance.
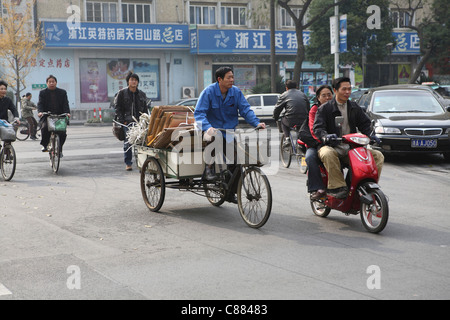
{"points": [[405, 101]]}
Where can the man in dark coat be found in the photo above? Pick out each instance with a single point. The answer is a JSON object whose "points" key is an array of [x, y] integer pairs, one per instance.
{"points": [[293, 107], [325, 129], [53, 100], [130, 103], [6, 103]]}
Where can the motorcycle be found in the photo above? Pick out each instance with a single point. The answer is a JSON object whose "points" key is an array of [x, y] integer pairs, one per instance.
{"points": [[364, 196]]}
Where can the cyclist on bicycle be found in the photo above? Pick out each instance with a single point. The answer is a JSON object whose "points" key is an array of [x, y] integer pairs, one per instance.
{"points": [[219, 105], [293, 107], [6, 104], [53, 100]]}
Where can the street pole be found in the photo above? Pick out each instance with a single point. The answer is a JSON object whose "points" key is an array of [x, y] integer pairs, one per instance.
{"points": [[273, 68], [336, 54]]}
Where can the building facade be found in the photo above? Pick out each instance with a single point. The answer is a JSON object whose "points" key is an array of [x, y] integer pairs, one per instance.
{"points": [[175, 46]]}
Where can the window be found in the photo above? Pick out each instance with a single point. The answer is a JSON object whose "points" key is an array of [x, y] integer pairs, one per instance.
{"points": [[101, 11], [136, 13], [236, 16], [202, 14], [401, 19], [286, 20]]}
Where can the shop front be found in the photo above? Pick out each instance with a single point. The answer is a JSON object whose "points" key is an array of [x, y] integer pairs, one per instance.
{"points": [[248, 53], [92, 61]]}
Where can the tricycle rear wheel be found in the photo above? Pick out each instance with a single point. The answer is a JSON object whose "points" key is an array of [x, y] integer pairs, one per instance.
{"points": [[153, 185]]}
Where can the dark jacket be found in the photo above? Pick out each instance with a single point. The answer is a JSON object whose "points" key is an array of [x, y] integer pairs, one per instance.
{"points": [[292, 104], [62, 103], [128, 105], [324, 123], [5, 105]]}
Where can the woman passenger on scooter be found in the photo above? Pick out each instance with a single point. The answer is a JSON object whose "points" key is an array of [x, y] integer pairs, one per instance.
{"points": [[315, 185]]}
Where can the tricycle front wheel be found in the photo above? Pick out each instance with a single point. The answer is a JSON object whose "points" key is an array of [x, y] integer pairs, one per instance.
{"points": [[254, 197], [153, 185]]}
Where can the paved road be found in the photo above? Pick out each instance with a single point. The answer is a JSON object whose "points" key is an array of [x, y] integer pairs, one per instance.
{"points": [[86, 234]]}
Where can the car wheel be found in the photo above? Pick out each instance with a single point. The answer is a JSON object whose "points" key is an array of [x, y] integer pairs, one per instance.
{"points": [[447, 156]]}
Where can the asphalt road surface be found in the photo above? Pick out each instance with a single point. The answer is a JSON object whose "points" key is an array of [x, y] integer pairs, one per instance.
{"points": [[86, 233]]}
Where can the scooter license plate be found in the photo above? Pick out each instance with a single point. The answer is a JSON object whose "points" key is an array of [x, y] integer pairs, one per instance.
{"points": [[423, 143]]}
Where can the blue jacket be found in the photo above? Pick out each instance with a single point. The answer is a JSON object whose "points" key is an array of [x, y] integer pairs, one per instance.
{"points": [[213, 111]]}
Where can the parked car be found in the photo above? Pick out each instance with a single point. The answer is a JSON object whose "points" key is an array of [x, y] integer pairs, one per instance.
{"points": [[409, 118], [357, 93], [190, 102], [263, 103]]}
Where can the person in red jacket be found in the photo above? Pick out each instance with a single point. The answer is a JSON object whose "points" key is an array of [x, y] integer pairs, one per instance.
{"points": [[315, 184]]}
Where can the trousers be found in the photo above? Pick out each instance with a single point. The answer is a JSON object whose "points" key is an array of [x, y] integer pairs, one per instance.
{"points": [[330, 159]]}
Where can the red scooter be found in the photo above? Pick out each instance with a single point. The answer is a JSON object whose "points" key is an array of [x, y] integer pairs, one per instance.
{"points": [[364, 195]]}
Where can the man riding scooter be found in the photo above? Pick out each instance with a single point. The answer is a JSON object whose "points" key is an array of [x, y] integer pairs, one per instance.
{"points": [[325, 128]]}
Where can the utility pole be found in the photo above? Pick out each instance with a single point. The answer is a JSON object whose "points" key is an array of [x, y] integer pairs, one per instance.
{"points": [[273, 68], [336, 54]]}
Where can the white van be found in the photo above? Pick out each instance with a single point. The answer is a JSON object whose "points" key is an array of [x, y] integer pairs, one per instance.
{"points": [[263, 103]]}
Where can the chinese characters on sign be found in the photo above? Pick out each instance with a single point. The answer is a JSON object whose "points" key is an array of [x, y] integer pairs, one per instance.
{"points": [[243, 41], [49, 63], [88, 34], [407, 43]]}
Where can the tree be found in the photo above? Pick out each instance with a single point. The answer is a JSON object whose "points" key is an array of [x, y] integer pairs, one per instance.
{"points": [[300, 26], [20, 41], [432, 30], [362, 42]]}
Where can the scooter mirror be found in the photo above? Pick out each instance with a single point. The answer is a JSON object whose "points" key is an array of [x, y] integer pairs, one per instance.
{"points": [[339, 121]]}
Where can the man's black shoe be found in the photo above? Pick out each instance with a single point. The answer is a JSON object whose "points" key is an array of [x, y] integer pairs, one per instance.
{"points": [[338, 193], [44, 149], [209, 174], [232, 198]]}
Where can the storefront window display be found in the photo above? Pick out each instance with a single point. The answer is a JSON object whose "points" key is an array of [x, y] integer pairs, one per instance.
{"points": [[100, 79]]}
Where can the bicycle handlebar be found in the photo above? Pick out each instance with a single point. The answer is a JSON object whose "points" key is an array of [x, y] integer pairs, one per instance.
{"points": [[62, 115]]}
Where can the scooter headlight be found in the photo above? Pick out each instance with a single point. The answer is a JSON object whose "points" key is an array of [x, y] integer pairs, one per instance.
{"points": [[361, 140]]}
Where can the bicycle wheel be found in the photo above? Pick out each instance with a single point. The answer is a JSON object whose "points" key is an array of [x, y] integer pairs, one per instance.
{"points": [[215, 193], [8, 161], [22, 131], [285, 153], [153, 185], [55, 152], [254, 197]]}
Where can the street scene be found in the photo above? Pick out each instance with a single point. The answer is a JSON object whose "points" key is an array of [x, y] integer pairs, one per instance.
{"points": [[228, 158], [85, 233]]}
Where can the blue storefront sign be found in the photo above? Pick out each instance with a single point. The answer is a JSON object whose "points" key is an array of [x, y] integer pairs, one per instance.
{"points": [[116, 35], [178, 36], [406, 43], [244, 41]]}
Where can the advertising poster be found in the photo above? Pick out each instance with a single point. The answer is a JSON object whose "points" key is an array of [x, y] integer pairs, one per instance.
{"points": [[93, 81], [321, 78], [404, 71], [343, 33], [308, 78], [245, 78], [101, 79], [148, 72], [117, 70]]}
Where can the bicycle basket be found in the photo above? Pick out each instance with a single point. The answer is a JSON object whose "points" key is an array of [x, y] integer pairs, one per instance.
{"points": [[253, 151], [7, 132], [56, 124]]}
